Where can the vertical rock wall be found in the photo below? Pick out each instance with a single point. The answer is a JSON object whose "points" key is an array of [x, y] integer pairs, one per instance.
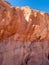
{"points": [[24, 36]]}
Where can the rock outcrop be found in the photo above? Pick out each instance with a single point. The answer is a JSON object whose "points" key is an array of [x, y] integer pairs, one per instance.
{"points": [[23, 23], [24, 36]]}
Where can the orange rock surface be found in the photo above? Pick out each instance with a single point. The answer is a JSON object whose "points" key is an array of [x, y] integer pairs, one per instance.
{"points": [[24, 36], [23, 23]]}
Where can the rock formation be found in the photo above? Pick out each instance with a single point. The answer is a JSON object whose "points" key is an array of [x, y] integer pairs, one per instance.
{"points": [[24, 36]]}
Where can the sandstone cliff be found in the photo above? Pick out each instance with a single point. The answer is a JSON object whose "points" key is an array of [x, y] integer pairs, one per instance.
{"points": [[24, 36], [23, 23]]}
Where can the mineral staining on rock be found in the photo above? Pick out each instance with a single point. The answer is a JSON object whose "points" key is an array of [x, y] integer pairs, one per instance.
{"points": [[24, 36], [22, 23]]}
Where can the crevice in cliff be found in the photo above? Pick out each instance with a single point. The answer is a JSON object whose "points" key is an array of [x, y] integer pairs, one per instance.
{"points": [[48, 56]]}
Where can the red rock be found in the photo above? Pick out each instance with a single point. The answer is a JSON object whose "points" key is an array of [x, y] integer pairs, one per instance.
{"points": [[24, 36], [22, 23]]}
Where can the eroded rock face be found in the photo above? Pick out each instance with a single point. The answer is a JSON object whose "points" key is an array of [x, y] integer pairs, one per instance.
{"points": [[24, 36], [24, 53], [23, 23]]}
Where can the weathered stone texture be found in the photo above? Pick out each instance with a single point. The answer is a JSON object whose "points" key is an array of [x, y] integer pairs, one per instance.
{"points": [[24, 36]]}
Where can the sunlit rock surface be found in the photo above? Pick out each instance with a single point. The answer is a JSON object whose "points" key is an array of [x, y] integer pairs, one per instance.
{"points": [[24, 36]]}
